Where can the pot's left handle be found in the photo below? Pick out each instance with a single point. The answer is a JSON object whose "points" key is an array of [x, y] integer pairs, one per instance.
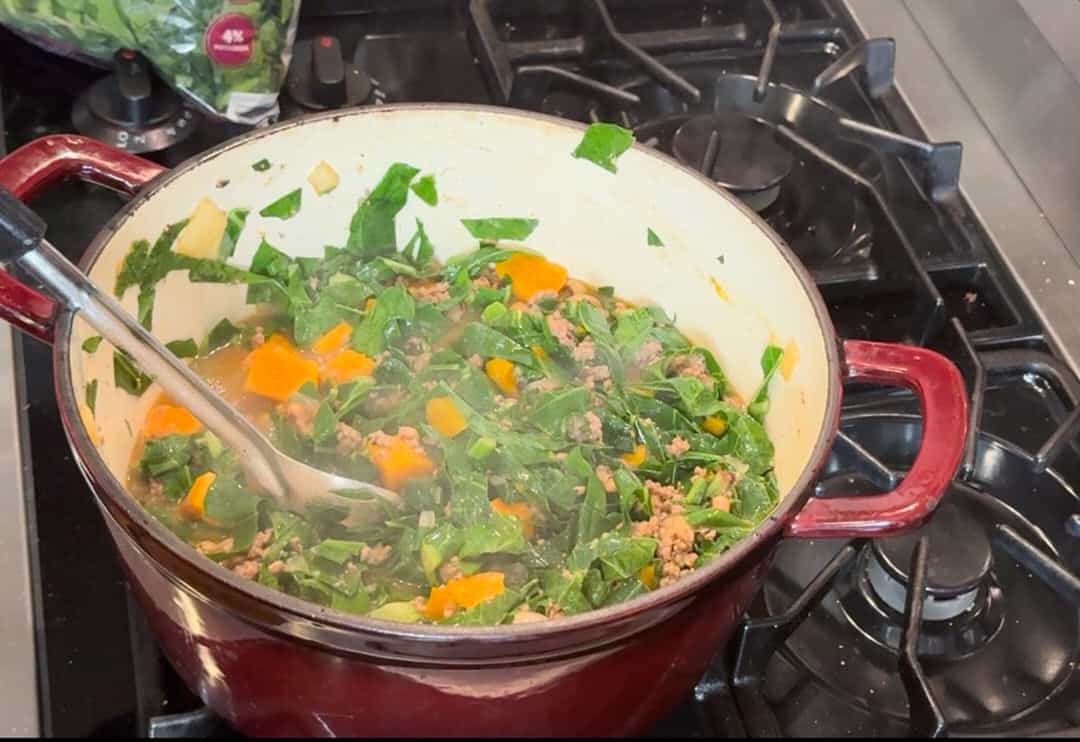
{"points": [[35, 165]]}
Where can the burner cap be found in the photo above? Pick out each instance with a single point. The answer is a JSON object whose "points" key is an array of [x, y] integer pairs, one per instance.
{"points": [[747, 160], [960, 553]]}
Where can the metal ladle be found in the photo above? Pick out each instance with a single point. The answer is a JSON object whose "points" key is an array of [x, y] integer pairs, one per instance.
{"points": [[292, 484]]}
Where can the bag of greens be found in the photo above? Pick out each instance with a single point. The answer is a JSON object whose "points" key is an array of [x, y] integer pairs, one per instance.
{"points": [[228, 56]]}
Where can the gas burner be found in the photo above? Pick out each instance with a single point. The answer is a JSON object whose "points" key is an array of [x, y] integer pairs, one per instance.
{"points": [[132, 110], [985, 613], [739, 152], [963, 602], [959, 563]]}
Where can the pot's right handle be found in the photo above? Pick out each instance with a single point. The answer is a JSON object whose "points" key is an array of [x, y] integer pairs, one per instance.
{"points": [[37, 164], [943, 398]]}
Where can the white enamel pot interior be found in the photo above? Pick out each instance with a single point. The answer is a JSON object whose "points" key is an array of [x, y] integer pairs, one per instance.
{"points": [[728, 280]]}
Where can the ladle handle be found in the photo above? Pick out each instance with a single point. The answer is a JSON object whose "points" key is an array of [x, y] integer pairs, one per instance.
{"points": [[22, 240]]}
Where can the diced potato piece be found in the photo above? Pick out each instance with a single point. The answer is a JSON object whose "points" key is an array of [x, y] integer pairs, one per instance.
{"points": [[201, 237], [323, 178]]}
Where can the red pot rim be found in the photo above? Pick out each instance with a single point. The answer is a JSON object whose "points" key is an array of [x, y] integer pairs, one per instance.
{"points": [[310, 622]]}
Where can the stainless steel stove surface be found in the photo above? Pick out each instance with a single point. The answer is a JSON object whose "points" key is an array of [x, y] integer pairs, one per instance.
{"points": [[968, 626]]}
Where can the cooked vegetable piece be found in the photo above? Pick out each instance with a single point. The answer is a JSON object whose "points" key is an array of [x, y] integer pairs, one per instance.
{"points": [[603, 143], [500, 228], [285, 207], [193, 506], [201, 236], [186, 348], [90, 345], [333, 340], [277, 370], [463, 592], [443, 415], [91, 394], [520, 510], [399, 461], [501, 371], [323, 178], [347, 365], [636, 457], [261, 165], [424, 188], [531, 274], [127, 375], [372, 232], [167, 419]]}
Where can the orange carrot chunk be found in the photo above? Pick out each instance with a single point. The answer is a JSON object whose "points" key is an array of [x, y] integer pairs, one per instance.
{"points": [[193, 506], [531, 274], [277, 370], [463, 592], [635, 458], [519, 510], [348, 365], [398, 461], [501, 371], [333, 340], [443, 415], [647, 575], [166, 419]]}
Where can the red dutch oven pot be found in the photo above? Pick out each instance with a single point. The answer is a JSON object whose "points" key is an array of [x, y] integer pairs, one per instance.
{"points": [[273, 664]]}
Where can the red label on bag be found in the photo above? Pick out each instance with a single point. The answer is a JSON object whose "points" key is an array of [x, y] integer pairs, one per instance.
{"points": [[230, 39]]}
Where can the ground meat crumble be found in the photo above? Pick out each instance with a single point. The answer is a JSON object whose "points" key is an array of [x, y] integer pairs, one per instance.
{"points": [[585, 428], [678, 446], [562, 330], [375, 554], [431, 292]]}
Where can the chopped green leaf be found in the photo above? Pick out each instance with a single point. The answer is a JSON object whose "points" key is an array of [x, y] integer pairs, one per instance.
{"points": [[336, 550], [500, 228], [393, 304], [91, 394], [90, 345], [183, 348], [770, 361], [603, 143], [261, 166], [654, 239], [425, 189], [372, 231], [234, 225], [222, 333], [285, 207], [128, 376]]}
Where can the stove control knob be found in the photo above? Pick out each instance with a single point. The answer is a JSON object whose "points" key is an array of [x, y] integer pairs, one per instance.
{"points": [[320, 78], [132, 110]]}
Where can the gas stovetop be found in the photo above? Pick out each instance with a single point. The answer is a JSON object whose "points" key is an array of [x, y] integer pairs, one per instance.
{"points": [[968, 626]]}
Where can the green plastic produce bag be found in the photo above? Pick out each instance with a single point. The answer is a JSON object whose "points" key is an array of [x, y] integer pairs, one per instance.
{"points": [[228, 56]]}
